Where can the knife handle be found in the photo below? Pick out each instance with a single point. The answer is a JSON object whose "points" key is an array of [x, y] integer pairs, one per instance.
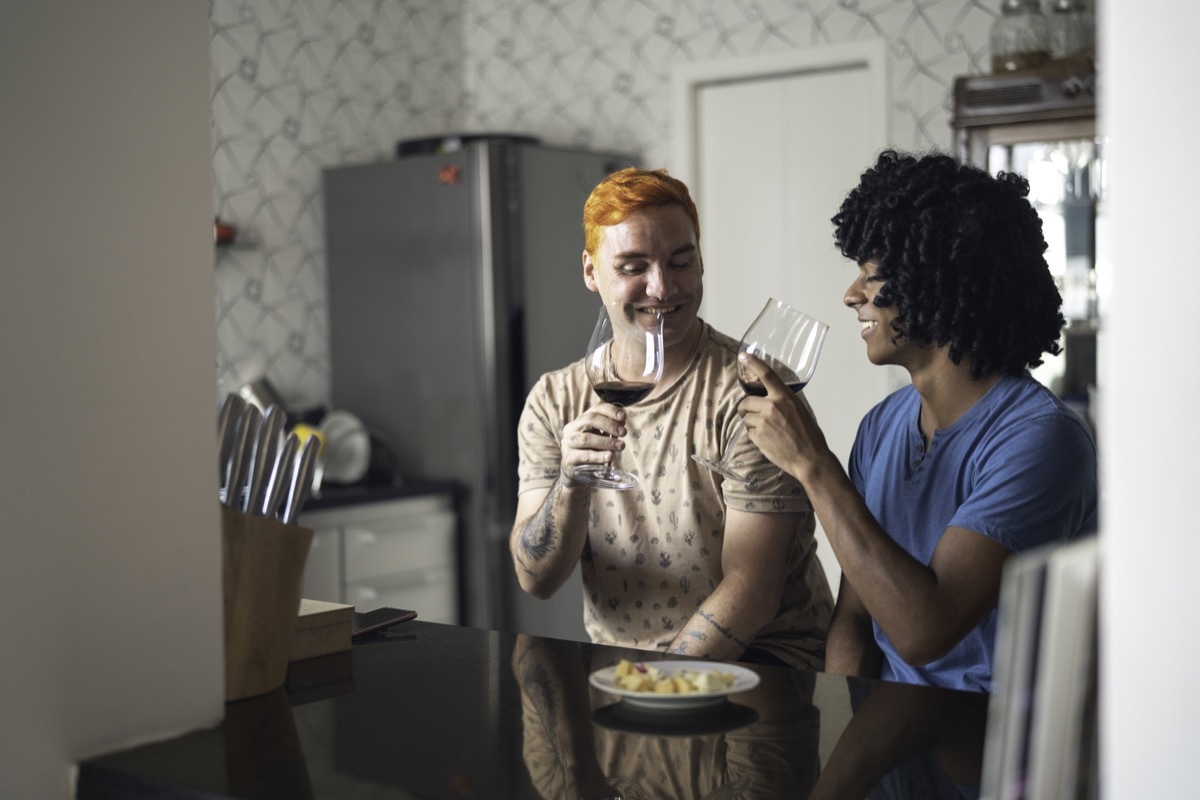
{"points": [[263, 458], [238, 462], [281, 471], [306, 464], [228, 417]]}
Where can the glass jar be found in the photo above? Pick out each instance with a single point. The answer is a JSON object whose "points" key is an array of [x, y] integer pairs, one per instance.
{"points": [[1072, 28], [1020, 36]]}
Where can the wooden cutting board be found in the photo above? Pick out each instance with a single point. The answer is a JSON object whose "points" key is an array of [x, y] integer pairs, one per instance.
{"points": [[321, 628]]}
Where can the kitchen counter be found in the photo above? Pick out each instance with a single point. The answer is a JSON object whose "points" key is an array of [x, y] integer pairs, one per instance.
{"points": [[440, 711], [337, 496]]}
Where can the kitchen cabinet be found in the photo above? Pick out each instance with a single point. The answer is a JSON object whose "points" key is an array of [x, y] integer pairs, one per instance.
{"points": [[398, 552], [1041, 123]]}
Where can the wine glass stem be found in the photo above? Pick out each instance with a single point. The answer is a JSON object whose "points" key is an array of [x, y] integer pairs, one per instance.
{"points": [[610, 472], [737, 432]]}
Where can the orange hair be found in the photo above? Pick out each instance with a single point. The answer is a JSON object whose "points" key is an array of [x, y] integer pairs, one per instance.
{"points": [[629, 190]]}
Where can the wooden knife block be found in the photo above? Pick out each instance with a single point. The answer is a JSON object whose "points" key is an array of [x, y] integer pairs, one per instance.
{"points": [[263, 568]]}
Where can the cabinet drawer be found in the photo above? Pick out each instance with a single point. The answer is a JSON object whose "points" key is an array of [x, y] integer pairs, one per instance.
{"points": [[418, 544], [430, 594]]}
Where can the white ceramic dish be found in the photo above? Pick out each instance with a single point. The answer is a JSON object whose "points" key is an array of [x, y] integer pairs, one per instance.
{"points": [[347, 452], [743, 680]]}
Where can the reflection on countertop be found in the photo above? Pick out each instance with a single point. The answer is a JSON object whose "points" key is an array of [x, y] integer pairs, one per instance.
{"points": [[449, 712]]}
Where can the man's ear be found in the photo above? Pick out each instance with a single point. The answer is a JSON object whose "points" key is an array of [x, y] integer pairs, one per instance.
{"points": [[589, 272]]}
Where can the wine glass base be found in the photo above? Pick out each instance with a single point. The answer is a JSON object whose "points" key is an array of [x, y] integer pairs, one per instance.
{"points": [[604, 477], [720, 468]]}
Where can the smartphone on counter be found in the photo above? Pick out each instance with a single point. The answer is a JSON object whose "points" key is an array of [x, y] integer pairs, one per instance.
{"points": [[367, 623]]}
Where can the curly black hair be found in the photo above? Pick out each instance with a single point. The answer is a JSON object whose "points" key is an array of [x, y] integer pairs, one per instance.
{"points": [[962, 258]]}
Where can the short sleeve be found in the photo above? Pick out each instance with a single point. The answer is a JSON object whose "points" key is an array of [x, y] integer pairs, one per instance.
{"points": [[1033, 485], [769, 489], [539, 440]]}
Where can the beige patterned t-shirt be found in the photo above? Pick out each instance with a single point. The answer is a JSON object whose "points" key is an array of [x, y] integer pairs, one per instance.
{"points": [[653, 553]]}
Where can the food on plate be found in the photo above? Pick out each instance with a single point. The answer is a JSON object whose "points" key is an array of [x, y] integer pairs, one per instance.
{"points": [[635, 676]]}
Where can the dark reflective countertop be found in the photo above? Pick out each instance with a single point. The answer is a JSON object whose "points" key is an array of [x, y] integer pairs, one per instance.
{"points": [[426, 710], [333, 495]]}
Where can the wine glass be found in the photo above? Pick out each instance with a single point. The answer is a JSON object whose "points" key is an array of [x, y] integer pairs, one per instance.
{"points": [[788, 341], [623, 367]]}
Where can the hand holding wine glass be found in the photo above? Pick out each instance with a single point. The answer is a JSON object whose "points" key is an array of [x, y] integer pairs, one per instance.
{"points": [[789, 342], [623, 367]]}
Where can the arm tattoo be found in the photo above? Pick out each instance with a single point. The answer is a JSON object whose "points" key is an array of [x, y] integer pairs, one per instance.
{"points": [[724, 631], [540, 534], [682, 648], [537, 685]]}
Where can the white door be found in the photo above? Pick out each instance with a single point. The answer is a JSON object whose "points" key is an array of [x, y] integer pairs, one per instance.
{"points": [[770, 147]]}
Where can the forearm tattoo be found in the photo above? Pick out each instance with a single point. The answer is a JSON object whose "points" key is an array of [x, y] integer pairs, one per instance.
{"points": [[538, 687], [693, 636], [541, 535]]}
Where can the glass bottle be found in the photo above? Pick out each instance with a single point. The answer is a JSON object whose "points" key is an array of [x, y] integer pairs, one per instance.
{"points": [[1020, 36], [1072, 28]]}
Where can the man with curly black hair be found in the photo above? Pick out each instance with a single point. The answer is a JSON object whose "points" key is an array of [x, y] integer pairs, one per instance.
{"points": [[971, 463]]}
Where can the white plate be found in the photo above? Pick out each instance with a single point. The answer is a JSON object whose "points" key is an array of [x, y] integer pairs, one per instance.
{"points": [[743, 680], [347, 447]]}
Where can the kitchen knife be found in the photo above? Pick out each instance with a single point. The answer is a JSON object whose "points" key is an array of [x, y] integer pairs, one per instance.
{"points": [[229, 417], [302, 476], [281, 471], [239, 459], [262, 458], [235, 445]]}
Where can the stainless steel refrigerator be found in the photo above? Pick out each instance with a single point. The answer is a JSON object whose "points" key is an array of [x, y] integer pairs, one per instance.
{"points": [[455, 280]]}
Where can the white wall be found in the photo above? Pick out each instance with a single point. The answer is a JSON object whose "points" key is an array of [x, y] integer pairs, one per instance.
{"points": [[301, 86], [1150, 426], [110, 626]]}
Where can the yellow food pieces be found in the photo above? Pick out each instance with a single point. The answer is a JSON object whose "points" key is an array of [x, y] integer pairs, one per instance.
{"points": [[639, 677], [636, 682], [674, 685]]}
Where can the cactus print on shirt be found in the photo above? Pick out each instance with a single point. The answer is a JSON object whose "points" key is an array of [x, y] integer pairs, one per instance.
{"points": [[653, 553]]}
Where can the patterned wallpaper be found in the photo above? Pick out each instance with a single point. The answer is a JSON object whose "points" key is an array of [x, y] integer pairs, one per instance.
{"points": [[299, 85]]}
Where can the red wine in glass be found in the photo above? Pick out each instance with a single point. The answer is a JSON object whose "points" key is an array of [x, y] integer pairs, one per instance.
{"points": [[756, 388], [624, 365], [622, 393]]}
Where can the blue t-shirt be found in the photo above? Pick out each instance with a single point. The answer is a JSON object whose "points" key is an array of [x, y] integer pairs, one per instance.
{"points": [[1018, 467]]}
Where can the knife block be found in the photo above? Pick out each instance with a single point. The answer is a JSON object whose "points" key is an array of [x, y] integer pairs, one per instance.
{"points": [[263, 568]]}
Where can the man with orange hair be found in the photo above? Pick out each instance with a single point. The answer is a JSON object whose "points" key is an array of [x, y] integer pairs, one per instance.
{"points": [[686, 562]]}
